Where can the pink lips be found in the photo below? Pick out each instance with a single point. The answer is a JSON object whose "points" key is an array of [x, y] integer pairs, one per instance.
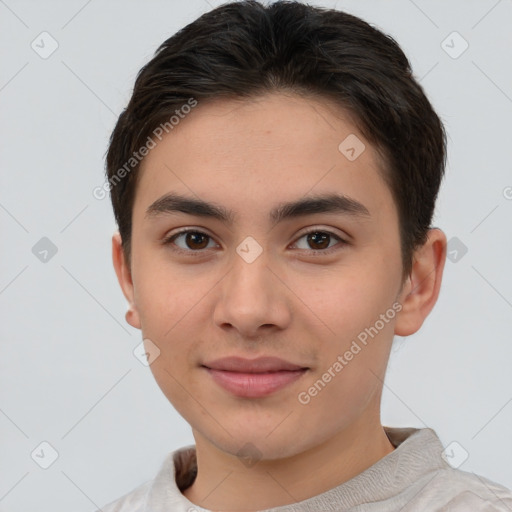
{"points": [[253, 378]]}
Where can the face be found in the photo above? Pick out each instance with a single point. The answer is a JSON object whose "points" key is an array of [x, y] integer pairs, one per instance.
{"points": [[316, 284]]}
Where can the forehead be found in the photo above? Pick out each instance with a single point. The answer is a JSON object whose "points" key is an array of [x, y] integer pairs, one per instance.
{"points": [[255, 150]]}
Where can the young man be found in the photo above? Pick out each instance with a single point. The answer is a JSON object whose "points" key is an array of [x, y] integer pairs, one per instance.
{"points": [[274, 178]]}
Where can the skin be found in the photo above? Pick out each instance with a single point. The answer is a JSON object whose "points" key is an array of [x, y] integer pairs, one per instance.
{"points": [[292, 302]]}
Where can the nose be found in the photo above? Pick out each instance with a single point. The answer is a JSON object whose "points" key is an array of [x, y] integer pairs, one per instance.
{"points": [[253, 299]]}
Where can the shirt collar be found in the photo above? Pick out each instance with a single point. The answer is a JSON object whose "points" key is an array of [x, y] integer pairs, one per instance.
{"points": [[417, 452]]}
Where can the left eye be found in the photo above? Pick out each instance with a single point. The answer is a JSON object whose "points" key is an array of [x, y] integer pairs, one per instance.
{"points": [[320, 239]]}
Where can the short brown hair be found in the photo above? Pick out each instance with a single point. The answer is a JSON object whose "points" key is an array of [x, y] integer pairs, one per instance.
{"points": [[244, 49]]}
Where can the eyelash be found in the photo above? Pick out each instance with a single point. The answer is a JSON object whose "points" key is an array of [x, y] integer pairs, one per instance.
{"points": [[169, 241]]}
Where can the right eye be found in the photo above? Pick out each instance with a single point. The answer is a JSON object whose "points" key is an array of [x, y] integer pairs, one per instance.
{"points": [[191, 241]]}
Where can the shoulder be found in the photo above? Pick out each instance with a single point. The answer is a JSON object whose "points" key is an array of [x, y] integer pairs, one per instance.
{"points": [[427, 482], [162, 492], [454, 490], [133, 501]]}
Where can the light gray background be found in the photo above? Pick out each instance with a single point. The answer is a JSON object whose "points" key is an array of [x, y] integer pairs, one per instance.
{"points": [[68, 374]]}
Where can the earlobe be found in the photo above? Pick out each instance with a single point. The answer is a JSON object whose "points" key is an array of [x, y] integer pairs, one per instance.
{"points": [[421, 290], [124, 278], [132, 317]]}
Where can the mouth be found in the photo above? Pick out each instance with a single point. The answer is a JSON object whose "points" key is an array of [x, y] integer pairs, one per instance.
{"points": [[253, 378]]}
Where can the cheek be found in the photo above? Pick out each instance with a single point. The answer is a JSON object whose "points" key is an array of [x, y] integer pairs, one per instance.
{"points": [[351, 298], [163, 295], [357, 306], [174, 306]]}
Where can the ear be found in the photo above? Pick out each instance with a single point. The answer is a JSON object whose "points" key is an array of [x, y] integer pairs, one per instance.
{"points": [[421, 289], [124, 277]]}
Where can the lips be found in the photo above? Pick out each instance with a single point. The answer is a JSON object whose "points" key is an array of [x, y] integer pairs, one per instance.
{"points": [[259, 365], [253, 378]]}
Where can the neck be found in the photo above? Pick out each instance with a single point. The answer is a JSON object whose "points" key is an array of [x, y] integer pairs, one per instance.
{"points": [[223, 483]]}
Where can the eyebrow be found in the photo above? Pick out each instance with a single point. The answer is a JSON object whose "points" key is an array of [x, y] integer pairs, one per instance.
{"points": [[172, 203]]}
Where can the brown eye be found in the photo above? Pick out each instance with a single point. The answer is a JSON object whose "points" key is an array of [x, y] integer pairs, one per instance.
{"points": [[189, 241], [195, 240], [318, 240]]}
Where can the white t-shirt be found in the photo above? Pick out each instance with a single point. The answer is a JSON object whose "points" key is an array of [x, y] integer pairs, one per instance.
{"points": [[413, 478]]}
